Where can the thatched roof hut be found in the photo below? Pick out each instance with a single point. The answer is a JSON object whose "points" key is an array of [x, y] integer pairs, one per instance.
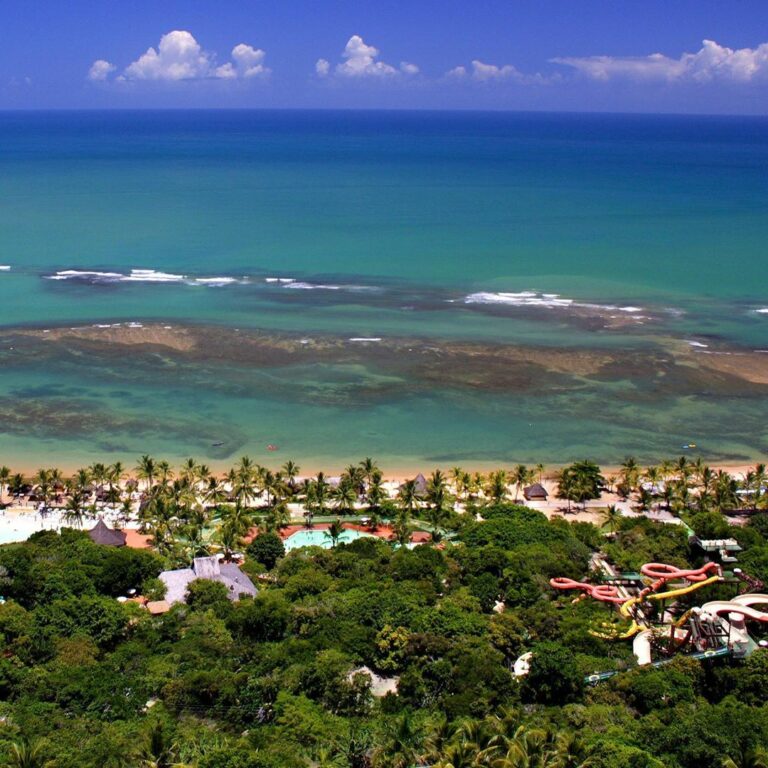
{"points": [[101, 534], [535, 492]]}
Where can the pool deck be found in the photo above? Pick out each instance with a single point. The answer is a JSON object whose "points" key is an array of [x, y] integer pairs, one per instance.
{"points": [[382, 532]]}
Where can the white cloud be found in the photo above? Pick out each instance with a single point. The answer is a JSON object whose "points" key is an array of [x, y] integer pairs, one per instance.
{"points": [[482, 72], [711, 62], [362, 61], [180, 57], [457, 72], [100, 70], [249, 61]]}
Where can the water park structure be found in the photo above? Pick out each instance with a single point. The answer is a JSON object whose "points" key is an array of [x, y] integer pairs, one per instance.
{"points": [[716, 628]]}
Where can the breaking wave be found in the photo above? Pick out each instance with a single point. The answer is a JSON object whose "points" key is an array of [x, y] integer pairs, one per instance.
{"points": [[544, 300]]}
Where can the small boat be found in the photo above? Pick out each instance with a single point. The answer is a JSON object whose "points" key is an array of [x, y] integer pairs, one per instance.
{"points": [[688, 446], [218, 445], [272, 447]]}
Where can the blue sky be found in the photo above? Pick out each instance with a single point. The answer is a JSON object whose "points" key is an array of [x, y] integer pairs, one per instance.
{"points": [[583, 55]]}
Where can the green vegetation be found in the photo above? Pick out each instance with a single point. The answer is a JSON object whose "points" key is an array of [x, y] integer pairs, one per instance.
{"points": [[278, 681]]}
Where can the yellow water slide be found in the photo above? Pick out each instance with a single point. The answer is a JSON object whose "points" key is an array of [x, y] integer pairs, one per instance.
{"points": [[625, 611]]}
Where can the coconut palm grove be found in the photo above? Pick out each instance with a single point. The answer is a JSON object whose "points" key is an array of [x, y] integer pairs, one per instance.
{"points": [[456, 619]]}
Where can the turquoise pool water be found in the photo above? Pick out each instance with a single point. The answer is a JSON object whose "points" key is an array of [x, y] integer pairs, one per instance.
{"points": [[318, 538]]}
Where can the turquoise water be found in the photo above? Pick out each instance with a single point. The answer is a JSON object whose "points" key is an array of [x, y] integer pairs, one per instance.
{"points": [[459, 233], [318, 538]]}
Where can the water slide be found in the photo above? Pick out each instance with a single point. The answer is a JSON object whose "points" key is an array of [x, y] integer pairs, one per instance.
{"points": [[741, 604], [661, 573], [737, 610], [641, 645], [625, 611]]}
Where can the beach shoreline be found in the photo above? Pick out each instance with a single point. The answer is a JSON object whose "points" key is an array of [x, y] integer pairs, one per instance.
{"points": [[392, 472]]}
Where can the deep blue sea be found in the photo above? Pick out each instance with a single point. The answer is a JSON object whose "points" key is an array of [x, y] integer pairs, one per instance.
{"points": [[425, 288]]}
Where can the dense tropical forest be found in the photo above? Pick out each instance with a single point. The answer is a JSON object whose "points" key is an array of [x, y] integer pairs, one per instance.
{"points": [[368, 653]]}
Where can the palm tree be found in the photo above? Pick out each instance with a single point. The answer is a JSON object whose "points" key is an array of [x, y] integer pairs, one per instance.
{"points": [[16, 484], [399, 747], [458, 479], [74, 511], [566, 486], [496, 489], [188, 471], [521, 476], [571, 751], [165, 473], [195, 533], [437, 492], [243, 487], [402, 528], [80, 482], [214, 492], [629, 476], [158, 751], [146, 470], [99, 474], [750, 758], [374, 521], [437, 741], [345, 495], [408, 496], [354, 476], [28, 754], [374, 494], [759, 485], [278, 516], [440, 502], [611, 518], [334, 532], [369, 469], [290, 472], [724, 496], [5, 476], [115, 474], [236, 522], [474, 485], [44, 481], [274, 486], [329, 757], [318, 492]]}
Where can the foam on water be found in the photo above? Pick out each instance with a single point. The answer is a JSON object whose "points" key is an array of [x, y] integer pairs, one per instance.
{"points": [[86, 275], [302, 285], [141, 276], [544, 300]]}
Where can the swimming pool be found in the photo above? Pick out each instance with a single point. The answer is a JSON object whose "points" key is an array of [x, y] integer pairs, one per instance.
{"points": [[316, 537]]}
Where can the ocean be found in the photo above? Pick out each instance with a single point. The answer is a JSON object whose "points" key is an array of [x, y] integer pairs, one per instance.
{"points": [[428, 289]]}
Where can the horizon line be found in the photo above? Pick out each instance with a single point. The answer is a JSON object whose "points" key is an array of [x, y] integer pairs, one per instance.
{"points": [[401, 110]]}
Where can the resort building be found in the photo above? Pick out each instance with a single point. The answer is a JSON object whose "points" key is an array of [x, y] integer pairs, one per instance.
{"points": [[177, 581]]}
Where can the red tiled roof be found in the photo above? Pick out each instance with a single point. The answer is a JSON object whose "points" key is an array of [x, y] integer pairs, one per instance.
{"points": [[137, 540]]}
